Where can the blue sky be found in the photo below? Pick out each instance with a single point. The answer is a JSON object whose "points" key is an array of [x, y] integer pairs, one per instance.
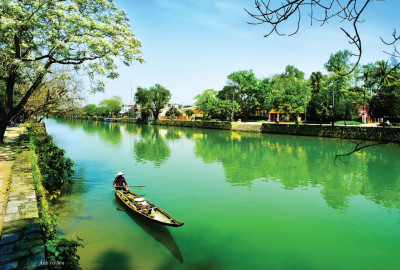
{"points": [[190, 46]]}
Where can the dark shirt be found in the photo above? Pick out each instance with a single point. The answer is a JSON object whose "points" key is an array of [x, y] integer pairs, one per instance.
{"points": [[120, 181]]}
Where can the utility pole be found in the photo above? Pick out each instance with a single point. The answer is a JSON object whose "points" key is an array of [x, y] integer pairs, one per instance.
{"points": [[131, 96], [233, 100], [333, 106]]}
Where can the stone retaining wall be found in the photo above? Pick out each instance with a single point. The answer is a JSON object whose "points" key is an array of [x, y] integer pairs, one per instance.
{"points": [[383, 134]]}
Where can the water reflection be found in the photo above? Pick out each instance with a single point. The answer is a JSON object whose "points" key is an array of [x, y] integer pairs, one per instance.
{"points": [[150, 146], [159, 232], [70, 202], [107, 131], [112, 259], [295, 162], [304, 162]]}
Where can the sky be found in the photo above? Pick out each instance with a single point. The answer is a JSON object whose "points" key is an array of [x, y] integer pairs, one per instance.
{"points": [[190, 46]]}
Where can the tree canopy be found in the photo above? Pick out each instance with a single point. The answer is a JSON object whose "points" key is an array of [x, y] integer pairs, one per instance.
{"points": [[152, 100], [111, 106], [37, 35]]}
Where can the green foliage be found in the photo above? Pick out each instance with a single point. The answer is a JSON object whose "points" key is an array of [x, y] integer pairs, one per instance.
{"points": [[145, 113], [189, 112], [346, 110], [58, 248], [67, 32], [151, 146], [55, 167], [249, 92], [152, 100], [339, 62], [178, 113], [90, 109], [111, 106], [386, 104], [159, 97], [291, 91], [143, 99], [213, 107], [37, 36], [64, 250]]}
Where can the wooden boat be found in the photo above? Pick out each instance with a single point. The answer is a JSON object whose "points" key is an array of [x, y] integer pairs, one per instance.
{"points": [[134, 202]]}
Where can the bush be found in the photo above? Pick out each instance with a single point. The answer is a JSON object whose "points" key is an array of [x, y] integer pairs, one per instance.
{"points": [[58, 248], [56, 169]]}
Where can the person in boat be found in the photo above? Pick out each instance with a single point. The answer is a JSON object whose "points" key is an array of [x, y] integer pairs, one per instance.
{"points": [[120, 182]]}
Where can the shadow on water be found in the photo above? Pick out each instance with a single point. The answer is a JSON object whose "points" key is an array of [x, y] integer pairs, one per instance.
{"points": [[112, 259], [159, 232]]}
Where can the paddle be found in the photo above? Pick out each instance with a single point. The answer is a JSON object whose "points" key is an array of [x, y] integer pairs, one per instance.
{"points": [[130, 186]]}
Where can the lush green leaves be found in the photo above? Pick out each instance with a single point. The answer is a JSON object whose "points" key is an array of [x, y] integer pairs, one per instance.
{"points": [[152, 100], [111, 106], [55, 168], [159, 97]]}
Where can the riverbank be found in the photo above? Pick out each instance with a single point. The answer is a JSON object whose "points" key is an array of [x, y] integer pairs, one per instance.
{"points": [[361, 132]]}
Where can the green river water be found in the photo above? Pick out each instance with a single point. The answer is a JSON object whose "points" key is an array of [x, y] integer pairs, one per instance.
{"points": [[248, 201]]}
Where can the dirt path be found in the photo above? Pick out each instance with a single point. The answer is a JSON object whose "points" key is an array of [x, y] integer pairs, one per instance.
{"points": [[7, 157]]}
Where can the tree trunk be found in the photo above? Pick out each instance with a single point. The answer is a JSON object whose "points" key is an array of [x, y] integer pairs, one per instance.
{"points": [[3, 126]]}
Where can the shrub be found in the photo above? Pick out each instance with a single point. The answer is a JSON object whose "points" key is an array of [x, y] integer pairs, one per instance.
{"points": [[55, 167]]}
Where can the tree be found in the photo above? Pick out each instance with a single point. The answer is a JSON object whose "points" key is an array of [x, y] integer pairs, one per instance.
{"points": [[159, 97], [206, 102], [60, 96], [37, 35], [386, 103], [143, 99], [384, 75], [213, 107], [316, 81], [90, 109], [111, 106], [339, 63], [189, 112], [338, 81], [250, 93], [291, 91]]}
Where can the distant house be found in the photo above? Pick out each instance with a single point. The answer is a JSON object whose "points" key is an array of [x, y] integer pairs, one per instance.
{"points": [[282, 115], [127, 107], [363, 114], [183, 108]]}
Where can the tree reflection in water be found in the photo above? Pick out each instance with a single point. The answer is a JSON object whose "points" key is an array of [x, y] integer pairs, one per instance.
{"points": [[151, 146], [303, 162]]}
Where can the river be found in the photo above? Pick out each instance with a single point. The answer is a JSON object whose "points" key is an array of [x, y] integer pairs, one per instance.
{"points": [[248, 201]]}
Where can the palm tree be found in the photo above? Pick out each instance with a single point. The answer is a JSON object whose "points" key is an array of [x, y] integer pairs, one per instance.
{"points": [[383, 74]]}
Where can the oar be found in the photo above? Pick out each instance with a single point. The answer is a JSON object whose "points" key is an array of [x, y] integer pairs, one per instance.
{"points": [[130, 186]]}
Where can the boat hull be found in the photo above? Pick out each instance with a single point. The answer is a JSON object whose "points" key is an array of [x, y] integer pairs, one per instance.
{"points": [[160, 216]]}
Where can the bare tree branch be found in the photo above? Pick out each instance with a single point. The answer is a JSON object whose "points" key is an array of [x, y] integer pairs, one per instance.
{"points": [[319, 10]]}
